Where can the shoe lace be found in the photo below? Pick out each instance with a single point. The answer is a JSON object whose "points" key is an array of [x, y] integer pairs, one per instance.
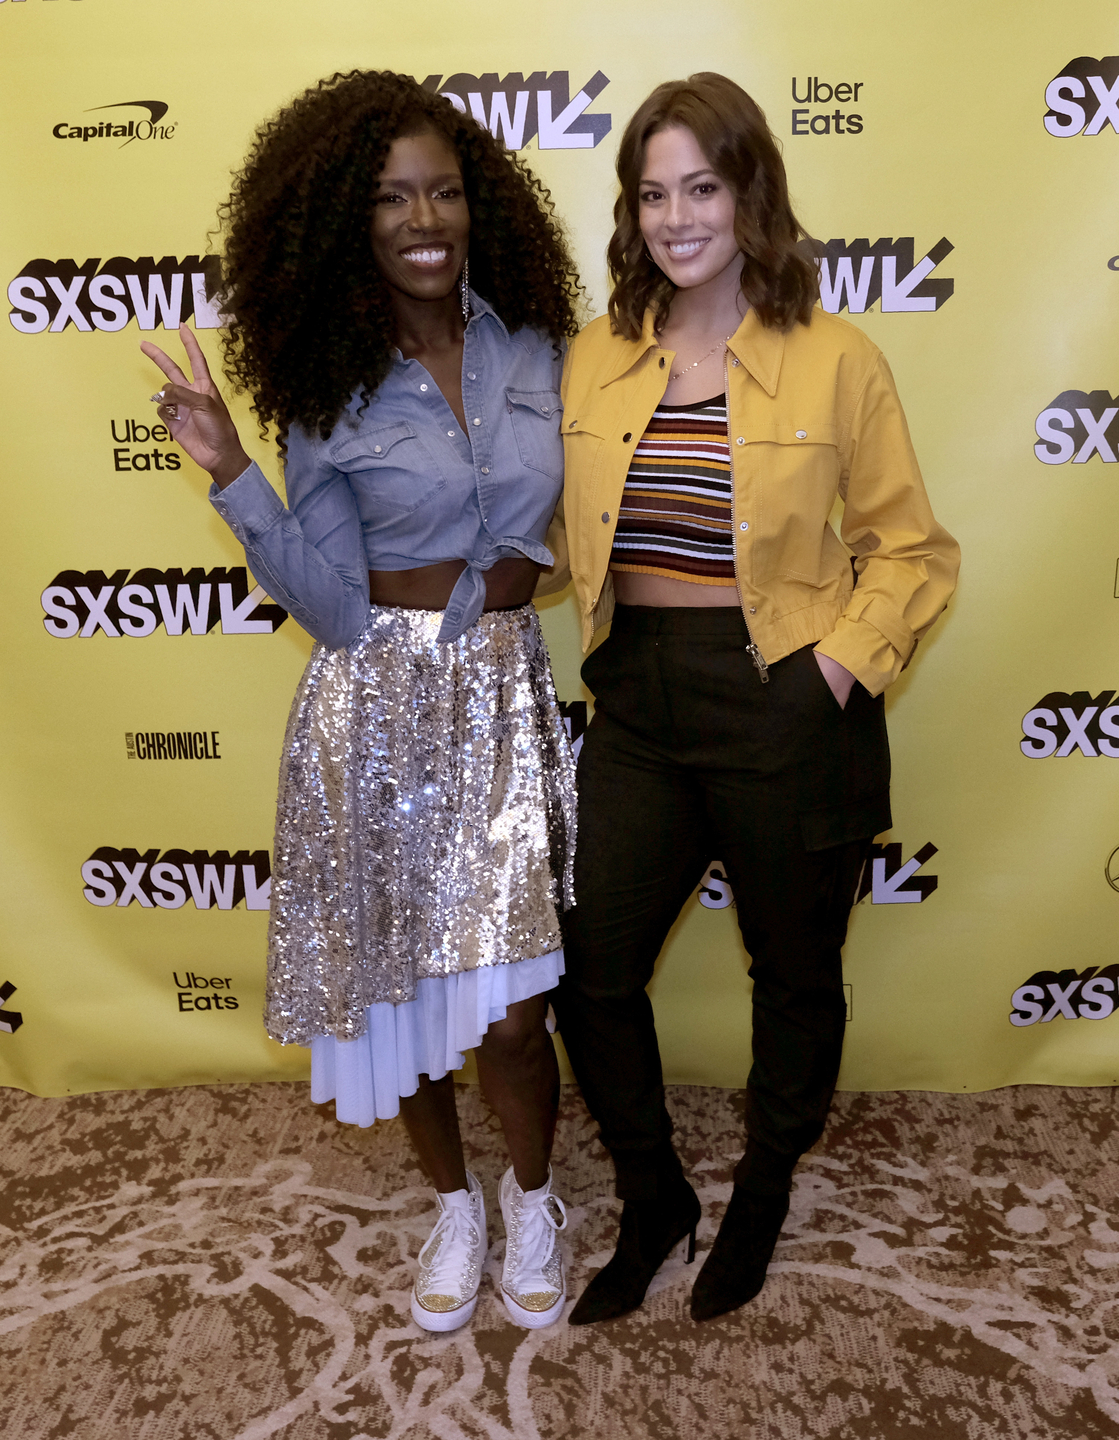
{"points": [[539, 1222], [456, 1235]]}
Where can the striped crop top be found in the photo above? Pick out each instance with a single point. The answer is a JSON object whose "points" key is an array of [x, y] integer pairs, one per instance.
{"points": [[675, 513]]}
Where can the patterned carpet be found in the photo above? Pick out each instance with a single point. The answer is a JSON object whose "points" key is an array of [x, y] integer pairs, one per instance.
{"points": [[227, 1263]]}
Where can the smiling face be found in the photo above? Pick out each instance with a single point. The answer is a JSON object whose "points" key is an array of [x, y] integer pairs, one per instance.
{"points": [[686, 212], [421, 223]]}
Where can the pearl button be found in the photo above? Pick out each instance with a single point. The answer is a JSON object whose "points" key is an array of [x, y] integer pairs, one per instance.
{"points": [[802, 434], [544, 410], [753, 609], [485, 469], [471, 375], [745, 525], [423, 387], [606, 517], [741, 440], [477, 421], [450, 432], [735, 364], [376, 449]]}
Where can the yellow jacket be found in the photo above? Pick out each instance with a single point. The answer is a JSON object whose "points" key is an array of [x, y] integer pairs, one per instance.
{"points": [[813, 413]]}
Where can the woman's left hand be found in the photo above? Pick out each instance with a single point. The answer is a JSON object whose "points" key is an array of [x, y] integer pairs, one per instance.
{"points": [[840, 679]]}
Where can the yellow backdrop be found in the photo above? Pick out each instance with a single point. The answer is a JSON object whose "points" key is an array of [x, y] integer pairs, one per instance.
{"points": [[958, 161]]}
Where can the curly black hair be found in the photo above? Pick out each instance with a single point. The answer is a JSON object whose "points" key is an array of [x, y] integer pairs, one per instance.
{"points": [[308, 316]]}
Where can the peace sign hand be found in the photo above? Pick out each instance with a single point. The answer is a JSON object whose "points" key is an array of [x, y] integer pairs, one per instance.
{"points": [[195, 413]]}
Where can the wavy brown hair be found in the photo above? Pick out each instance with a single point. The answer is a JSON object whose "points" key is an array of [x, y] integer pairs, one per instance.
{"points": [[777, 279], [308, 314]]}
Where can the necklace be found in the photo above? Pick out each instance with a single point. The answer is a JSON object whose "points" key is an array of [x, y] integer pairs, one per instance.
{"points": [[719, 344]]}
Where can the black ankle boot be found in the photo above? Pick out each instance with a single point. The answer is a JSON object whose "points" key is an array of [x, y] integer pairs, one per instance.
{"points": [[734, 1271], [648, 1234]]}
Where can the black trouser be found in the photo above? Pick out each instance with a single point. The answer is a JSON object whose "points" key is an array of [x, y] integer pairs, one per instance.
{"points": [[689, 759]]}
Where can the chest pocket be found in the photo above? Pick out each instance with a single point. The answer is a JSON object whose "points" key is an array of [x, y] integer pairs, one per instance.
{"points": [[393, 463], [535, 417]]}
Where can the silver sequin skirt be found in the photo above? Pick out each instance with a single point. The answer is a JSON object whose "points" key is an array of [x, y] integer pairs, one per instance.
{"points": [[425, 825]]}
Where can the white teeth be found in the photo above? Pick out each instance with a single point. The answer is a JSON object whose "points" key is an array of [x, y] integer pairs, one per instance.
{"points": [[685, 247], [427, 257]]}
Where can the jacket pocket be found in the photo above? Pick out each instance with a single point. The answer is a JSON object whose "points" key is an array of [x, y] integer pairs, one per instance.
{"points": [[535, 416], [395, 464], [793, 461]]}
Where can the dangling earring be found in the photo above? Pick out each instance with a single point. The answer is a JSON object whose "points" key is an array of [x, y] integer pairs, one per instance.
{"points": [[464, 290]]}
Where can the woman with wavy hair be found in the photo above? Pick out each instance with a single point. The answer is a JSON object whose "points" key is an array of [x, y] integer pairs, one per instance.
{"points": [[711, 421], [397, 300]]}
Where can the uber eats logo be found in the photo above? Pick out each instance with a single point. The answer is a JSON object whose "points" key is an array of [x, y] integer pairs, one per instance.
{"points": [[1084, 98], [1061, 725], [79, 604], [52, 295], [167, 881], [854, 276], [517, 107], [1052, 994], [150, 125], [1075, 426]]}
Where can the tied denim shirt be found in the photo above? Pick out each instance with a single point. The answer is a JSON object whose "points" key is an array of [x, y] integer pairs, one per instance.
{"points": [[402, 486]]}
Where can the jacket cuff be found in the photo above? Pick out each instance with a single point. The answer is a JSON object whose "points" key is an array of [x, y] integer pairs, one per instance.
{"points": [[249, 505], [859, 647]]}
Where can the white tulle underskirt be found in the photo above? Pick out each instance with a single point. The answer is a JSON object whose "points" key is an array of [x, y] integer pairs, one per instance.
{"points": [[426, 1036]]}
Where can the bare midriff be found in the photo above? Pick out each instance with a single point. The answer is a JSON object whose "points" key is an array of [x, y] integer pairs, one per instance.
{"points": [[634, 589], [509, 582]]}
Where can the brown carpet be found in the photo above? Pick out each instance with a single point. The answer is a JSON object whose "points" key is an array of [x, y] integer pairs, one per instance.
{"points": [[228, 1263]]}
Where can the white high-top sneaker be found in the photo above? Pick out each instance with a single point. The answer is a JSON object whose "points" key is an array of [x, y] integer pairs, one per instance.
{"points": [[532, 1283], [446, 1289]]}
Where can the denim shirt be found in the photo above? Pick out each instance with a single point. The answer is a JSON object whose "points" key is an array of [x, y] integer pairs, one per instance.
{"points": [[401, 485]]}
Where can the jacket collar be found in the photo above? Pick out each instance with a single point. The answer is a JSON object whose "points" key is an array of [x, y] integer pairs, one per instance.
{"points": [[761, 350]]}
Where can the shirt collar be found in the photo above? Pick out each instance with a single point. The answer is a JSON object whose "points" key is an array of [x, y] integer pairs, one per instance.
{"points": [[759, 348], [480, 310]]}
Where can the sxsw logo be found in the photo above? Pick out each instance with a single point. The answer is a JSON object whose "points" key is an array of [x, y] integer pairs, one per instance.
{"points": [[1051, 994], [10, 1020], [79, 603], [1077, 426], [574, 716], [1083, 98], [516, 108], [168, 881], [889, 880], [125, 129], [886, 878], [54, 294], [1079, 724], [854, 276]]}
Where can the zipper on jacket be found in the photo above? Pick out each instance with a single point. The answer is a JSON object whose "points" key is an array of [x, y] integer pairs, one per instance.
{"points": [[751, 649]]}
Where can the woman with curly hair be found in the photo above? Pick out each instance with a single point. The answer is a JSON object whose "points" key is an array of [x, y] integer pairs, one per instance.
{"points": [[397, 298], [711, 421]]}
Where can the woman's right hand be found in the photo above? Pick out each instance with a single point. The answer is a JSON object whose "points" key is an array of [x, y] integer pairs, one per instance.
{"points": [[195, 413]]}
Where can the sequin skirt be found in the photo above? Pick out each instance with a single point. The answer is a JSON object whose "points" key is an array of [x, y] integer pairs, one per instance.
{"points": [[425, 825]]}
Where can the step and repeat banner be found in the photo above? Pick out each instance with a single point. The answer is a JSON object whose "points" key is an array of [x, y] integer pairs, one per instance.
{"points": [[958, 164]]}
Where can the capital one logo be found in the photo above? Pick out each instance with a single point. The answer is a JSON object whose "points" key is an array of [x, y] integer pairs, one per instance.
{"points": [[210, 881], [79, 604], [52, 295], [1083, 98], [120, 128], [853, 276], [517, 108], [1075, 426]]}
